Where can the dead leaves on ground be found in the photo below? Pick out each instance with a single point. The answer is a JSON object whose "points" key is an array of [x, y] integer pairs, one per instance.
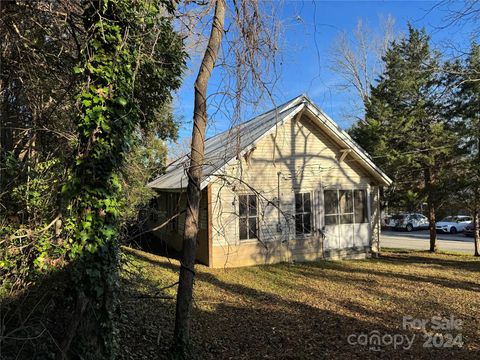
{"points": [[295, 311]]}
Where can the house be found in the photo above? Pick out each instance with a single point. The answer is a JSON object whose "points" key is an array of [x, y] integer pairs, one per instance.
{"points": [[288, 185]]}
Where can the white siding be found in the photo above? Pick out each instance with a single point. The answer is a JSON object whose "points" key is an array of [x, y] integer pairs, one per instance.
{"points": [[297, 157]]}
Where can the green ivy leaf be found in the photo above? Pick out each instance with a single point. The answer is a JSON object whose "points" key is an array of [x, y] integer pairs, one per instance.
{"points": [[121, 100], [87, 102]]}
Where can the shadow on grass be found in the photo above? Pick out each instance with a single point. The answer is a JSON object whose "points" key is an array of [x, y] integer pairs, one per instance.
{"points": [[458, 262], [34, 322], [447, 283], [259, 325], [244, 322], [31, 324], [152, 244]]}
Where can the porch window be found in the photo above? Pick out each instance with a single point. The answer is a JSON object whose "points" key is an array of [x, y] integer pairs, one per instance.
{"points": [[360, 200], [345, 202], [345, 207], [248, 217], [330, 199], [303, 214]]}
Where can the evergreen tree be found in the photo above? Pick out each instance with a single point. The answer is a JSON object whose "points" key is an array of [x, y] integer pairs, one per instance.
{"points": [[406, 129]]}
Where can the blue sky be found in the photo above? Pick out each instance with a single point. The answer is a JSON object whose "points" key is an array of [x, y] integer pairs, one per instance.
{"points": [[309, 30]]}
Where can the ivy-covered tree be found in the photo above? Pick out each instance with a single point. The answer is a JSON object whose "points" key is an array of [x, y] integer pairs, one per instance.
{"points": [[113, 106], [42, 41], [109, 68], [406, 129]]}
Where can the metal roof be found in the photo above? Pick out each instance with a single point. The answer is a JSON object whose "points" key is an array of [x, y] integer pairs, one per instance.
{"points": [[225, 147]]}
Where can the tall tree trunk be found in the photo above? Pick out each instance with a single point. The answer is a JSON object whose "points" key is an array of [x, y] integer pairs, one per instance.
{"points": [[431, 209], [187, 272], [476, 215], [476, 230]]}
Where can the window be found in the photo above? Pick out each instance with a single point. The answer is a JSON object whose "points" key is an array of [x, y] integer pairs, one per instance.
{"points": [[303, 213], [345, 202], [360, 201], [330, 198], [345, 206], [248, 216]]}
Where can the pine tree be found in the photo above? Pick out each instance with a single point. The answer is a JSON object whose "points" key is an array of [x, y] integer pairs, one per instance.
{"points": [[405, 127]]}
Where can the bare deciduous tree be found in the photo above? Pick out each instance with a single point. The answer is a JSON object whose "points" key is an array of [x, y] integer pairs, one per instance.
{"points": [[357, 58], [459, 12], [245, 61], [187, 272], [178, 149]]}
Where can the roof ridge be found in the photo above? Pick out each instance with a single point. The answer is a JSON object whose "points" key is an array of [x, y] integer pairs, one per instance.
{"points": [[259, 115], [220, 149]]}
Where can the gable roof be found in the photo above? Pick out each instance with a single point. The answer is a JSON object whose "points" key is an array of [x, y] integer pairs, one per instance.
{"points": [[222, 149]]}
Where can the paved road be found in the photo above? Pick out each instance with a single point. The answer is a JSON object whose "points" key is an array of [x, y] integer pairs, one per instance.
{"points": [[420, 240]]}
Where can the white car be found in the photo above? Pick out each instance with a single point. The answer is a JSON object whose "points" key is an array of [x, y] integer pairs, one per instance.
{"points": [[453, 224], [408, 222]]}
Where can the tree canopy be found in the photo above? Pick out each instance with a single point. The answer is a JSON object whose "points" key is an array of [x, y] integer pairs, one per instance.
{"points": [[406, 129], [85, 86]]}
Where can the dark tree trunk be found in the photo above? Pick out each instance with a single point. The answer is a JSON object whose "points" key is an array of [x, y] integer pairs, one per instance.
{"points": [[476, 231], [431, 209], [187, 272]]}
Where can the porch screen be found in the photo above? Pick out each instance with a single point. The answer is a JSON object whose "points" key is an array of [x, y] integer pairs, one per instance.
{"points": [[303, 213], [330, 198], [360, 201], [247, 217], [345, 206]]}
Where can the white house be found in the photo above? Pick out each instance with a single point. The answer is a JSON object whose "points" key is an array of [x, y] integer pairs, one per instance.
{"points": [[288, 185]]}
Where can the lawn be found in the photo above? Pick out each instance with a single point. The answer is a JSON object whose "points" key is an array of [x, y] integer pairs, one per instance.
{"points": [[305, 310]]}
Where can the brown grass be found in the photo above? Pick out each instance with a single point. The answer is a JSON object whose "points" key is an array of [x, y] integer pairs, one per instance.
{"points": [[297, 311]]}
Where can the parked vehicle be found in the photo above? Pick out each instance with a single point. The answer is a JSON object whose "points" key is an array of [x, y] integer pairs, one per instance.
{"points": [[453, 224], [408, 222], [469, 230], [386, 221]]}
